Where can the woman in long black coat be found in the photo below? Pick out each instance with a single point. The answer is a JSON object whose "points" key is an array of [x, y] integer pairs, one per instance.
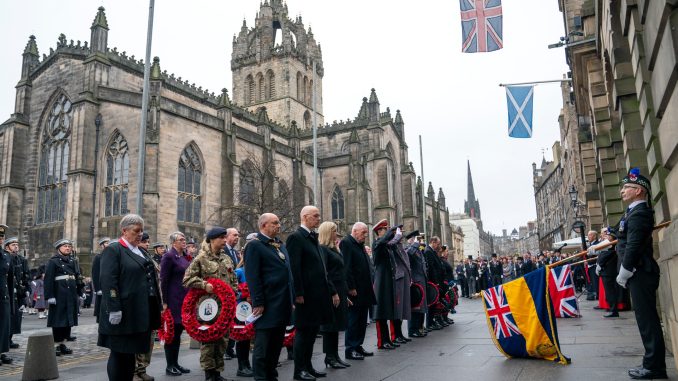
{"points": [[130, 307], [336, 275]]}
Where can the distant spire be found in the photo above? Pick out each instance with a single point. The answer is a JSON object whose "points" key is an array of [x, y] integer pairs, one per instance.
{"points": [[471, 206]]}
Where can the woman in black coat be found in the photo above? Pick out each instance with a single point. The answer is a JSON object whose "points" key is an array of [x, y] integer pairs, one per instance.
{"points": [[336, 275], [130, 308]]}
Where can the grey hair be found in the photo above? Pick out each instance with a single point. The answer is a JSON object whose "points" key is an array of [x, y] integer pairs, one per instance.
{"points": [[174, 236], [131, 219], [359, 225]]}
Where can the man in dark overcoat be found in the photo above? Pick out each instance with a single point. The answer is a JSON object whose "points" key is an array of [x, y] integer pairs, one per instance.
{"points": [[312, 299], [360, 291], [434, 273], [607, 267], [6, 295], [415, 251], [496, 270], [96, 271], [383, 256], [639, 272], [402, 282], [269, 279], [62, 292]]}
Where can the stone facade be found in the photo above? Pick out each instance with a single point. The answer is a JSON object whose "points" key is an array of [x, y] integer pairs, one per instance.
{"points": [[523, 240], [69, 152], [549, 197], [623, 57]]}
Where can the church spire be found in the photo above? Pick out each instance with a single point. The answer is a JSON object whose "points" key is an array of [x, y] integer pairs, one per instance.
{"points": [[471, 206]]}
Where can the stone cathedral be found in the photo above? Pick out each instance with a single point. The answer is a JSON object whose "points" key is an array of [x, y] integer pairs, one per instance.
{"points": [[69, 152]]}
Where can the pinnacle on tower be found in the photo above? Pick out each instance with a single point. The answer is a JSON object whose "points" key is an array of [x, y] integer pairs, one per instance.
{"points": [[471, 205], [155, 69], [100, 19], [31, 46]]}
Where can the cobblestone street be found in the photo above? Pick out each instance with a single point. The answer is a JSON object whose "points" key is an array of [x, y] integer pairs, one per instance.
{"points": [[600, 349]]}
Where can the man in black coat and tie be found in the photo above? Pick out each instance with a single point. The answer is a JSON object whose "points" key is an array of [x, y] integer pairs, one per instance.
{"points": [[269, 279], [434, 273], [640, 273], [312, 299], [360, 291]]}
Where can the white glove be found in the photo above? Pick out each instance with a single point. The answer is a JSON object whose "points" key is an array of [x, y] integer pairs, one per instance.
{"points": [[83, 297], [51, 300], [99, 293], [598, 269], [624, 276], [28, 293], [115, 317]]}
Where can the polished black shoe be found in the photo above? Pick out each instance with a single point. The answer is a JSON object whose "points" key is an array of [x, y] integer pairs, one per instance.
{"points": [[598, 308], [71, 338], [646, 374], [451, 321], [355, 355], [172, 371], [5, 359], [304, 376], [342, 362], [363, 352], [333, 363], [229, 354], [65, 350], [611, 315], [416, 334], [405, 338], [387, 346], [182, 369], [400, 340], [13, 345], [317, 373]]}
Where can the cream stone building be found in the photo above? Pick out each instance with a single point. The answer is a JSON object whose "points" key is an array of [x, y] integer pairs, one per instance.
{"points": [[69, 152]]}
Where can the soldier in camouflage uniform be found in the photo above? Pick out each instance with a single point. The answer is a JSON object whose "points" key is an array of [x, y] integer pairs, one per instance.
{"points": [[212, 262]]}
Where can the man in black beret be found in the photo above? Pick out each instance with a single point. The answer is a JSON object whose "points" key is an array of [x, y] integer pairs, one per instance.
{"points": [[640, 273]]}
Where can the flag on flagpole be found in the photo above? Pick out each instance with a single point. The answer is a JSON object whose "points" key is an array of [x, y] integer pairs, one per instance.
{"points": [[481, 25], [519, 102], [561, 288]]}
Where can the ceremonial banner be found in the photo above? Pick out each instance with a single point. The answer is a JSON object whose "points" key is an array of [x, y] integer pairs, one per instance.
{"points": [[481, 25], [519, 102], [561, 288], [520, 318]]}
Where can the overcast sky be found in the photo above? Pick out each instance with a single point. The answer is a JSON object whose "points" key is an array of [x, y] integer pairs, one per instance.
{"points": [[408, 51]]}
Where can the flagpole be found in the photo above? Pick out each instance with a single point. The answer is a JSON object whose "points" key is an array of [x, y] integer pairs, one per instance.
{"points": [[535, 82], [423, 195], [144, 112]]}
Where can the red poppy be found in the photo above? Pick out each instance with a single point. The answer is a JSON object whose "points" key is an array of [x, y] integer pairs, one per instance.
{"points": [[166, 330]]}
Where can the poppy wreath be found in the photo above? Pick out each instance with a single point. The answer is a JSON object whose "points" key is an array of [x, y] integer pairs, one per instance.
{"points": [[202, 332], [434, 287], [166, 330], [242, 332], [422, 293], [244, 291], [288, 342]]}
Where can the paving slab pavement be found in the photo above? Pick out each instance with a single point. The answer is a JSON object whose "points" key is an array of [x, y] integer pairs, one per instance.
{"points": [[601, 349]]}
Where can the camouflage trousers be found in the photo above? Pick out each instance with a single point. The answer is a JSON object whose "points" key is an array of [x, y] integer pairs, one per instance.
{"points": [[143, 360], [212, 355]]}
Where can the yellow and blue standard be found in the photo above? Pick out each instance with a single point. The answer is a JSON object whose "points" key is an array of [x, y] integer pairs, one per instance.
{"points": [[521, 319]]}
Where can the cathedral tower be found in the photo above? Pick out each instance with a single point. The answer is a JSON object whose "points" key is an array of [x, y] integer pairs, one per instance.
{"points": [[272, 66], [472, 206]]}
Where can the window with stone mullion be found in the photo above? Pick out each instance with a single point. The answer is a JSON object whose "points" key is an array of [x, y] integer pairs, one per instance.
{"points": [[117, 177], [188, 187], [53, 163]]}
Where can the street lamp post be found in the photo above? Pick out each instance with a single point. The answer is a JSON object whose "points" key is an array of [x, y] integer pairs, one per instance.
{"points": [[578, 225]]}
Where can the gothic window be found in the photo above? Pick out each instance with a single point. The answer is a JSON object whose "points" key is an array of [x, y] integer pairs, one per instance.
{"points": [[54, 155], [189, 181], [337, 204], [247, 190], [249, 90], [271, 84], [307, 94], [260, 88], [117, 177], [300, 87], [307, 120]]}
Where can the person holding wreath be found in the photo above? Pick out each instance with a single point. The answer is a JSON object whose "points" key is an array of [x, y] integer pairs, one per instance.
{"points": [[212, 262]]}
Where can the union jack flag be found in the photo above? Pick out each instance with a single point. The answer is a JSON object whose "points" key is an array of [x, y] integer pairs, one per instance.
{"points": [[481, 25], [561, 288], [499, 312]]}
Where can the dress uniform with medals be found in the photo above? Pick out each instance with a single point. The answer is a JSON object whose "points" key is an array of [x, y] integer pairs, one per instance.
{"points": [[6, 295], [640, 273], [61, 292], [209, 264]]}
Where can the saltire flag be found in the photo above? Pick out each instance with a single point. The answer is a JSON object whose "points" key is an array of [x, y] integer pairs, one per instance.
{"points": [[519, 102], [481, 25], [561, 288], [520, 318]]}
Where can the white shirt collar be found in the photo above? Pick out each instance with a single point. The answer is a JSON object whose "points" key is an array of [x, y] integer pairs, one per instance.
{"points": [[637, 202], [134, 249], [305, 228]]}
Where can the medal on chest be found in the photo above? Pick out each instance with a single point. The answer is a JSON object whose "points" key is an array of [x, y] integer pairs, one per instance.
{"points": [[281, 255]]}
